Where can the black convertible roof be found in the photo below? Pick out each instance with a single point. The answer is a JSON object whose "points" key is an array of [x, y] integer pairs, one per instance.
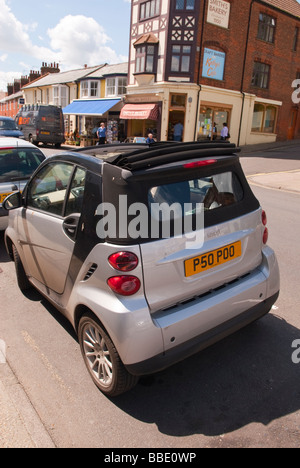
{"points": [[134, 157]]}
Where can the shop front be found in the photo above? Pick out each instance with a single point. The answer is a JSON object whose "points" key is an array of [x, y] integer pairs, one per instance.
{"points": [[211, 120], [84, 117], [142, 119]]}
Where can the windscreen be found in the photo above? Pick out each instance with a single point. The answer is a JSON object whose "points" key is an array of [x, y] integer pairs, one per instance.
{"points": [[18, 163], [8, 125]]}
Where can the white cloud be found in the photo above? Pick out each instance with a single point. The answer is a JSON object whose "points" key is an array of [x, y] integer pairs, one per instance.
{"points": [[80, 40], [74, 41], [8, 77]]}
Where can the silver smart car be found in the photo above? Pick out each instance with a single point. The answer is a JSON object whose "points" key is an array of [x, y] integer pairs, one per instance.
{"points": [[152, 252]]}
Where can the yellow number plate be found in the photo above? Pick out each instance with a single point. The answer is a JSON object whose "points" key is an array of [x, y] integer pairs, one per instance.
{"points": [[3, 196], [45, 133], [196, 265]]}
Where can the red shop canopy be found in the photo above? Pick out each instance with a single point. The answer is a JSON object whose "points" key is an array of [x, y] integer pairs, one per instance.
{"points": [[140, 112]]}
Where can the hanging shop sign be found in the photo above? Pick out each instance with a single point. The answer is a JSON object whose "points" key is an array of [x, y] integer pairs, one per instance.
{"points": [[218, 13], [213, 64]]}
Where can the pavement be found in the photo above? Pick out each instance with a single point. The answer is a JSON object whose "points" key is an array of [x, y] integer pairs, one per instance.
{"points": [[287, 180], [20, 425]]}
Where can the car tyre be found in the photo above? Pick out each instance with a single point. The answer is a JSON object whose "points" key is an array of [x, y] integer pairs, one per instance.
{"points": [[102, 359], [22, 279]]}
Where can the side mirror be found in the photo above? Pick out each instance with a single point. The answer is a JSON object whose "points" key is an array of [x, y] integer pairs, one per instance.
{"points": [[13, 201]]}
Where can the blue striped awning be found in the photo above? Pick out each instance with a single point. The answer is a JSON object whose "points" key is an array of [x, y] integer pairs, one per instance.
{"points": [[90, 107]]}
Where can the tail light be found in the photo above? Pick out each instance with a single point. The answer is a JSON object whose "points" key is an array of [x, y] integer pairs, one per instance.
{"points": [[123, 261], [264, 222], [124, 285]]}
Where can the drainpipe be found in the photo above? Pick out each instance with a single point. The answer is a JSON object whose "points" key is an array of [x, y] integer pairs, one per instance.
{"points": [[243, 73], [199, 68]]}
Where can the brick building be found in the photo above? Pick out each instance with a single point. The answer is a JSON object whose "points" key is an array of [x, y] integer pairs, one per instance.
{"points": [[206, 62]]}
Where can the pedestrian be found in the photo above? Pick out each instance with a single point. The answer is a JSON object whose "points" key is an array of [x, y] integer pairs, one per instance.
{"points": [[101, 134], [225, 132], [215, 131], [150, 138], [178, 131]]}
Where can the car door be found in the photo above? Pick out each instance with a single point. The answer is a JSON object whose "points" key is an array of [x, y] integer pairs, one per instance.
{"points": [[49, 226]]}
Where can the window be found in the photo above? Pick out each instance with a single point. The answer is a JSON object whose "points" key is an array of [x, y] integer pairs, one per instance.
{"points": [[149, 9], [60, 96], [185, 4], [48, 189], [261, 74], [122, 86], [215, 191], [266, 28], [75, 199], [145, 59], [116, 86], [264, 118], [90, 89], [18, 164], [181, 59], [295, 42]]}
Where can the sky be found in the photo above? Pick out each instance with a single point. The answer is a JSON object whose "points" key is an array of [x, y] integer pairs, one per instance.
{"points": [[71, 33]]}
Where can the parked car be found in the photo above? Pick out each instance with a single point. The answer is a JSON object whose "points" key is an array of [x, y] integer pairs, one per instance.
{"points": [[9, 128], [42, 124], [18, 160], [101, 238]]}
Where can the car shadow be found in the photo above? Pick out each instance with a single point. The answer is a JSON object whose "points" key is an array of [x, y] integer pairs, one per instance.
{"points": [[247, 377]]}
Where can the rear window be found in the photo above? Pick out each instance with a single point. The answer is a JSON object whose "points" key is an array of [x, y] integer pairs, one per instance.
{"points": [[213, 192], [18, 163]]}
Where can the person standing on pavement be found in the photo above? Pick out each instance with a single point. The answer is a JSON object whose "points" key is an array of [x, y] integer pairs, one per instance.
{"points": [[178, 131], [225, 132], [101, 134]]}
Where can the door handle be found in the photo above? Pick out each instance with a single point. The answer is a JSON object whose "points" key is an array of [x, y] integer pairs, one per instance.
{"points": [[70, 225]]}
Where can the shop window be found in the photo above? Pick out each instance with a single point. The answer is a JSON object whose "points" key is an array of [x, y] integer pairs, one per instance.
{"points": [[149, 9], [181, 59], [264, 118], [261, 75], [145, 58], [266, 28], [211, 120]]}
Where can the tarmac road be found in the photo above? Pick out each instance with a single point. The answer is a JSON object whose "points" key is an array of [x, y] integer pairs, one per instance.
{"points": [[241, 392]]}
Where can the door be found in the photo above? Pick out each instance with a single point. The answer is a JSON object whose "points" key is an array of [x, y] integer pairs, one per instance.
{"points": [[49, 227]]}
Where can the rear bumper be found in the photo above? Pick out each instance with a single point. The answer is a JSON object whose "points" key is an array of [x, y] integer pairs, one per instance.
{"points": [[184, 350], [193, 326]]}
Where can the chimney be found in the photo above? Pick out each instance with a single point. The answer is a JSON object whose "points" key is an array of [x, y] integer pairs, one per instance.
{"points": [[17, 86], [49, 68], [10, 89], [33, 75], [24, 81]]}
